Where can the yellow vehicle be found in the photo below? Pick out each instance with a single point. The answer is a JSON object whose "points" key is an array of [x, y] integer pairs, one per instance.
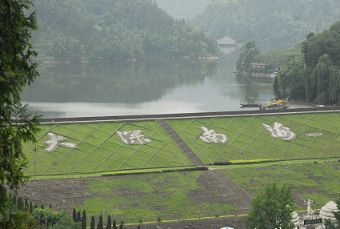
{"points": [[274, 105]]}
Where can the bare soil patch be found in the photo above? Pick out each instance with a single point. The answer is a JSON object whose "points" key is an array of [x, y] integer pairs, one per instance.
{"points": [[219, 188]]}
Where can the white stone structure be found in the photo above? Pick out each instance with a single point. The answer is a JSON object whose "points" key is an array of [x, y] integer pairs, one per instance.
{"points": [[295, 219], [280, 131], [326, 211], [210, 136], [312, 220], [134, 137], [57, 140]]}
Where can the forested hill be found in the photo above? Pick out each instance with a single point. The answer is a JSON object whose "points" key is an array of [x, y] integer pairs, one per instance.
{"points": [[114, 29], [187, 9], [272, 24]]}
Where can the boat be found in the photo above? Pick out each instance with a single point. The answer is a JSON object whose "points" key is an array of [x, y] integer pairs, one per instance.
{"points": [[274, 105]]}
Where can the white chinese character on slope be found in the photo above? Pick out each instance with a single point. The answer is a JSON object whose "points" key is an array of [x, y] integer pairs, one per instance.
{"points": [[56, 140], [210, 136], [134, 137], [280, 131]]}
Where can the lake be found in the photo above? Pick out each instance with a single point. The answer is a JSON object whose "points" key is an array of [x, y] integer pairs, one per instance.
{"points": [[148, 87]]}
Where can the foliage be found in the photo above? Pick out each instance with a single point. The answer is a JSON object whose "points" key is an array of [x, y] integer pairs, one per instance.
{"points": [[288, 82], [109, 30], [183, 9], [248, 54], [17, 69], [272, 24], [271, 209], [313, 75]]}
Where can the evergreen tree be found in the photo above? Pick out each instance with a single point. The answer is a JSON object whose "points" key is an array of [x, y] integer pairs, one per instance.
{"points": [[20, 204], [83, 220], [93, 223], [78, 217], [17, 70], [31, 207], [121, 225], [74, 215], [100, 222], [114, 224], [109, 222]]}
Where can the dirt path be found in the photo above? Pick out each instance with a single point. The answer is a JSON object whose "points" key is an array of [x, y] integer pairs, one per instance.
{"points": [[180, 143]]}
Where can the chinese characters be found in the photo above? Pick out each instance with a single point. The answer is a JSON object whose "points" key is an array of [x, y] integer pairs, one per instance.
{"points": [[210, 136], [55, 141], [134, 137], [280, 131]]}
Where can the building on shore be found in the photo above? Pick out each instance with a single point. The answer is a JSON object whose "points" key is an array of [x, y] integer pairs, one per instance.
{"points": [[227, 45]]}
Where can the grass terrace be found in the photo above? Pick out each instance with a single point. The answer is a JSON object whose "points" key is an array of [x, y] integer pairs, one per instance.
{"points": [[318, 181], [249, 141], [100, 149]]}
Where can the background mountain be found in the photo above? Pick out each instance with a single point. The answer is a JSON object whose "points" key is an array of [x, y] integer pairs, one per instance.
{"points": [[186, 9], [272, 24], [119, 29]]}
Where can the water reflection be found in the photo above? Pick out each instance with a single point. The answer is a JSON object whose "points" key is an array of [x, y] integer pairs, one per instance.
{"points": [[141, 88]]}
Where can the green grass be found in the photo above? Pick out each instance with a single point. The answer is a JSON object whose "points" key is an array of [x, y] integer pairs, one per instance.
{"points": [[318, 181], [147, 197], [248, 140], [101, 150]]}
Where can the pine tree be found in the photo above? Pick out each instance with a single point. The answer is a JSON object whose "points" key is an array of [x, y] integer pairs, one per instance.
{"points": [[100, 222], [109, 223], [31, 207], [93, 223], [121, 226], [74, 215], [114, 224], [78, 217], [20, 204], [83, 220]]}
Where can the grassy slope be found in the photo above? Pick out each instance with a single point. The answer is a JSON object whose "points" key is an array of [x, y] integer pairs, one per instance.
{"points": [[318, 181], [100, 150], [248, 140], [147, 197]]}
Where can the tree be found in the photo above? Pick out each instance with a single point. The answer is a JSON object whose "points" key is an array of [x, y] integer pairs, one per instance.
{"points": [[93, 223], [17, 70], [74, 215], [109, 222], [78, 217], [249, 52], [83, 220], [114, 224], [272, 209], [100, 222]]}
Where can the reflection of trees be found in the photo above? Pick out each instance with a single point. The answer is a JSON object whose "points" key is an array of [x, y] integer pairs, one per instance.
{"points": [[256, 91], [115, 83]]}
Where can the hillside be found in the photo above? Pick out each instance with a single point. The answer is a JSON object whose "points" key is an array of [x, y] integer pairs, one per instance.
{"points": [[183, 9], [272, 24], [121, 29]]}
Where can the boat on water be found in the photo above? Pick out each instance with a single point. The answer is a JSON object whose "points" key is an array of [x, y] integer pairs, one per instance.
{"points": [[274, 105]]}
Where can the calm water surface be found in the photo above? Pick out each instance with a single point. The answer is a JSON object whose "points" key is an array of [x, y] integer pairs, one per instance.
{"points": [[77, 90]]}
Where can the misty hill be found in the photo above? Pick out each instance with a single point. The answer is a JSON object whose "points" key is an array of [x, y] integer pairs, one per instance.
{"points": [[186, 9], [272, 24], [119, 29]]}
